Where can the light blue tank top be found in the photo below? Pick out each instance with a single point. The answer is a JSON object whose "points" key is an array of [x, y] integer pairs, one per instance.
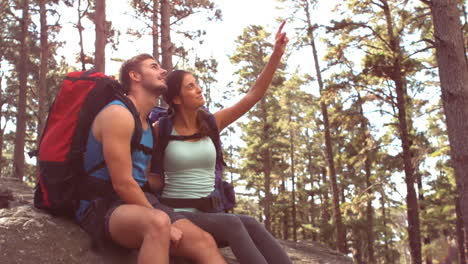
{"points": [[189, 168], [94, 155]]}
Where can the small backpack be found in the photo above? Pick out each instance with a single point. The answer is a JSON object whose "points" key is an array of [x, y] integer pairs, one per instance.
{"points": [[62, 180], [223, 197]]}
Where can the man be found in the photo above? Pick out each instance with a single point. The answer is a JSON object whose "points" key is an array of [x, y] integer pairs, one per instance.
{"points": [[135, 219]]}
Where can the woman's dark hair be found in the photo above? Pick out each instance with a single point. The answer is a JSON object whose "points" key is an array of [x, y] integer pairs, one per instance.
{"points": [[174, 86]]}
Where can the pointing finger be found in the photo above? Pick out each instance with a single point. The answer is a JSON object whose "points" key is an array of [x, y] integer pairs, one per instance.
{"points": [[280, 28]]}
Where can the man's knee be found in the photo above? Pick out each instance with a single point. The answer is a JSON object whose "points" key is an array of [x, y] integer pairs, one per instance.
{"points": [[157, 222]]}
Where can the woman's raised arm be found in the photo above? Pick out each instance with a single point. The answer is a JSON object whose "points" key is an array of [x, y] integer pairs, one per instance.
{"points": [[228, 115]]}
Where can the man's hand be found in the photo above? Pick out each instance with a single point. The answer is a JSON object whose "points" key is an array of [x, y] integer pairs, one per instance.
{"points": [[176, 236], [280, 40]]}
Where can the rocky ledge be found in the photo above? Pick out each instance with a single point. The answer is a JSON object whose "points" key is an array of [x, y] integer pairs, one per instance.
{"points": [[30, 236]]}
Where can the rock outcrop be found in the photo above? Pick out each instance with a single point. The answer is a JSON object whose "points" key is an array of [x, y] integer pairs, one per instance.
{"points": [[30, 236]]}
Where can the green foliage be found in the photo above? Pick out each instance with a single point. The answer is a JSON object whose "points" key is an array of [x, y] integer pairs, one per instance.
{"points": [[9, 60]]}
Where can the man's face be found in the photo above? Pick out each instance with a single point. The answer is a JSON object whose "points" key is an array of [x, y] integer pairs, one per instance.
{"points": [[152, 76]]}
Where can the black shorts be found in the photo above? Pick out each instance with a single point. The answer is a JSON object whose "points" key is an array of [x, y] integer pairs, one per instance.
{"points": [[95, 220]]}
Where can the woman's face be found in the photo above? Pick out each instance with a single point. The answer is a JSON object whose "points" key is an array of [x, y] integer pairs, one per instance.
{"points": [[190, 93]]}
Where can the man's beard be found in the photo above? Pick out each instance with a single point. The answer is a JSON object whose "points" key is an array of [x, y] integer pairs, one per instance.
{"points": [[156, 89]]}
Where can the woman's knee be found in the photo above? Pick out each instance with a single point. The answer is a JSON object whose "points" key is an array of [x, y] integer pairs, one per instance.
{"points": [[231, 222], [250, 222]]}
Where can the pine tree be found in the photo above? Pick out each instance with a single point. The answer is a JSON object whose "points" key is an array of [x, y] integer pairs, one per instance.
{"points": [[260, 132], [453, 73], [18, 162]]}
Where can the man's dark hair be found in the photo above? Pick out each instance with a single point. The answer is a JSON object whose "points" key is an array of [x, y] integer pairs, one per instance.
{"points": [[132, 64]]}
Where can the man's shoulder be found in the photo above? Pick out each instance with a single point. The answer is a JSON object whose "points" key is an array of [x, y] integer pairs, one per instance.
{"points": [[115, 115]]}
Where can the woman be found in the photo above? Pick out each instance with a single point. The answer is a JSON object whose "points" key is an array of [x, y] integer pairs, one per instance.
{"points": [[189, 164]]}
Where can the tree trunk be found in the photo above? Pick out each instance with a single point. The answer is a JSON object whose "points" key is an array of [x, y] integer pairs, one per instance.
{"points": [[460, 233], [285, 211], [80, 28], [358, 249], [266, 166], [367, 166], [18, 162], [155, 30], [311, 175], [384, 224], [2, 129], [166, 44], [101, 36], [267, 172], [303, 219], [400, 86], [294, 213], [426, 239], [42, 100], [453, 74], [326, 200], [340, 231]]}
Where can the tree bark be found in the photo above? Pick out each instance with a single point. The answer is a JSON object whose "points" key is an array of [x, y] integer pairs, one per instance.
{"points": [[285, 221], [325, 213], [311, 175], [460, 233], [453, 74], [43, 70], [80, 28], [384, 224], [340, 231], [294, 213], [400, 86], [18, 162], [166, 44], [101, 36], [155, 30], [2, 129], [367, 166]]}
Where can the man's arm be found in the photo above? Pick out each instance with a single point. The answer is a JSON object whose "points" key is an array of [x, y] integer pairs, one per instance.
{"points": [[114, 128]]}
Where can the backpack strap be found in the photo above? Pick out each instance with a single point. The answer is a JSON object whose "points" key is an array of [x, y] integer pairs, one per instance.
{"points": [[164, 132], [137, 132], [214, 135]]}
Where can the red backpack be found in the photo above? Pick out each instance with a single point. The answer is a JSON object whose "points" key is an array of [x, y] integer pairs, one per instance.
{"points": [[62, 178]]}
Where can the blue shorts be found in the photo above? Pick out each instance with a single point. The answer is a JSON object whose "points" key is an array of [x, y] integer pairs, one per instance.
{"points": [[95, 220]]}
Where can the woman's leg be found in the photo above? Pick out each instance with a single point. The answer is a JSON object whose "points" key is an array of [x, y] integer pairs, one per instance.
{"points": [[265, 242], [228, 228], [197, 244]]}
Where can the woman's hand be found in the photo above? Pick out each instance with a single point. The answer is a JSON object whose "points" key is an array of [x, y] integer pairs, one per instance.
{"points": [[155, 181], [281, 40], [175, 236], [228, 115]]}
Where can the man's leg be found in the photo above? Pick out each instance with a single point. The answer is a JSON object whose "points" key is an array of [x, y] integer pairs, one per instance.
{"points": [[196, 244], [134, 226]]}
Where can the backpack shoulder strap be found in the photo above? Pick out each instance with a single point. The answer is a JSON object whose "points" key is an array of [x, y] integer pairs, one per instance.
{"points": [[164, 131], [214, 135], [138, 131]]}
